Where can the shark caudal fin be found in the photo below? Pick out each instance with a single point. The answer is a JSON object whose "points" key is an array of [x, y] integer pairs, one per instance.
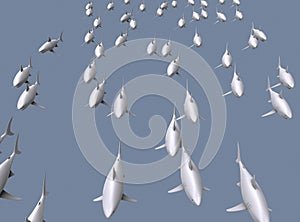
{"points": [[8, 129], [37, 81], [238, 159], [268, 85], [44, 191], [60, 37], [30, 64], [119, 151], [16, 150]]}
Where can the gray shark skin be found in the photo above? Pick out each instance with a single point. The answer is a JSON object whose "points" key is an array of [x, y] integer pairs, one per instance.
{"points": [[121, 39], [99, 50], [279, 104], [120, 105], [97, 95], [28, 96], [5, 173], [50, 44], [166, 49], [191, 181], [259, 34], [253, 198], [226, 59], [89, 73], [173, 139], [113, 189], [237, 85], [37, 215], [22, 75], [286, 78], [173, 67]]}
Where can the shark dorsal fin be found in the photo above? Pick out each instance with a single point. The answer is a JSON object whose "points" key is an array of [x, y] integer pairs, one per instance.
{"points": [[114, 174], [191, 99], [190, 165], [49, 39], [280, 94], [254, 183]]}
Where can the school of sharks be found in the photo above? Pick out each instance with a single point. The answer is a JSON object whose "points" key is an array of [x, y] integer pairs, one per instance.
{"points": [[112, 193]]}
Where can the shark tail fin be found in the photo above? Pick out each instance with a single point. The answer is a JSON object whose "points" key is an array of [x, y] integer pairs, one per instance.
{"points": [[8, 129], [268, 85], [30, 63], [238, 159], [16, 150], [60, 37], [37, 81], [119, 150], [45, 193]]}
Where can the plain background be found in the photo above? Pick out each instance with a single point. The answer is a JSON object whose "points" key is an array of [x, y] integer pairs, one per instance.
{"points": [[269, 146]]}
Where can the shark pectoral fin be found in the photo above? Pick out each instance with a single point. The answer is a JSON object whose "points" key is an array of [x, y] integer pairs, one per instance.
{"points": [[129, 199], [98, 199], [160, 147], [280, 94], [225, 94], [278, 84], [38, 105], [205, 188], [201, 117], [218, 66], [11, 174], [237, 208], [180, 117], [269, 113], [110, 114], [131, 113], [105, 103], [176, 189], [245, 48], [8, 196], [238, 184]]}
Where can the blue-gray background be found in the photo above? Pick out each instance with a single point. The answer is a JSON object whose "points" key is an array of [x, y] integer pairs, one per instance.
{"points": [[269, 146]]}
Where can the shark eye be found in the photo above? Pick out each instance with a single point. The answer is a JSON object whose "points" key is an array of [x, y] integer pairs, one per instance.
{"points": [[39, 203], [8, 158]]}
